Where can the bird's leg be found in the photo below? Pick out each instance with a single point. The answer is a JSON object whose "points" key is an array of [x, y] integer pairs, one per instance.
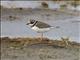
{"points": [[41, 36]]}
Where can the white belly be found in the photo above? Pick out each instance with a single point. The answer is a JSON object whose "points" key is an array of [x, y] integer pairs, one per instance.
{"points": [[40, 29]]}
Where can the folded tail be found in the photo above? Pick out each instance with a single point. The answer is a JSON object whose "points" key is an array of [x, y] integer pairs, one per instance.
{"points": [[55, 27]]}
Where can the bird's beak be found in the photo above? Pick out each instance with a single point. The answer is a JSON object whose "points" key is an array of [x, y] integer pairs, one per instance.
{"points": [[27, 23]]}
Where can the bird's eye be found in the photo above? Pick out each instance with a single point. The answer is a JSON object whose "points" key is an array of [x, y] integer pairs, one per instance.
{"points": [[31, 22]]}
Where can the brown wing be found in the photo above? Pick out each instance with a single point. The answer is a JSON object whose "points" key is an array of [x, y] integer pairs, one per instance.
{"points": [[42, 25]]}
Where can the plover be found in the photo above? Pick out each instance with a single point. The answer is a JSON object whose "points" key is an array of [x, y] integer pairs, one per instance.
{"points": [[39, 26]]}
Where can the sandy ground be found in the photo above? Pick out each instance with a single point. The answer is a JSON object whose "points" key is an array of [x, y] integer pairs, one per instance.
{"points": [[37, 52]]}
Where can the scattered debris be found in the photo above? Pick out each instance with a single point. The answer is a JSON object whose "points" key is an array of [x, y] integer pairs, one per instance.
{"points": [[22, 42], [12, 18], [44, 4]]}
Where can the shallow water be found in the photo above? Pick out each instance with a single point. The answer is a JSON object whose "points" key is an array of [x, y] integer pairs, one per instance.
{"points": [[69, 25], [34, 4]]}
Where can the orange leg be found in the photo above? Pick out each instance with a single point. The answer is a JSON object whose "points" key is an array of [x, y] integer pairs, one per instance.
{"points": [[41, 36]]}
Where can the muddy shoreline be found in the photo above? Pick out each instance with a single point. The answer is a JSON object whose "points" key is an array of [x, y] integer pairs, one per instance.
{"points": [[33, 41], [35, 49]]}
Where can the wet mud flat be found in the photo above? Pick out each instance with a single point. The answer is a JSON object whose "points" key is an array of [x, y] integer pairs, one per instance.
{"points": [[35, 49]]}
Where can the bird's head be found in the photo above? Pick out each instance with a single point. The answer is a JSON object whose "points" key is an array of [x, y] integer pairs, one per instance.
{"points": [[31, 22]]}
